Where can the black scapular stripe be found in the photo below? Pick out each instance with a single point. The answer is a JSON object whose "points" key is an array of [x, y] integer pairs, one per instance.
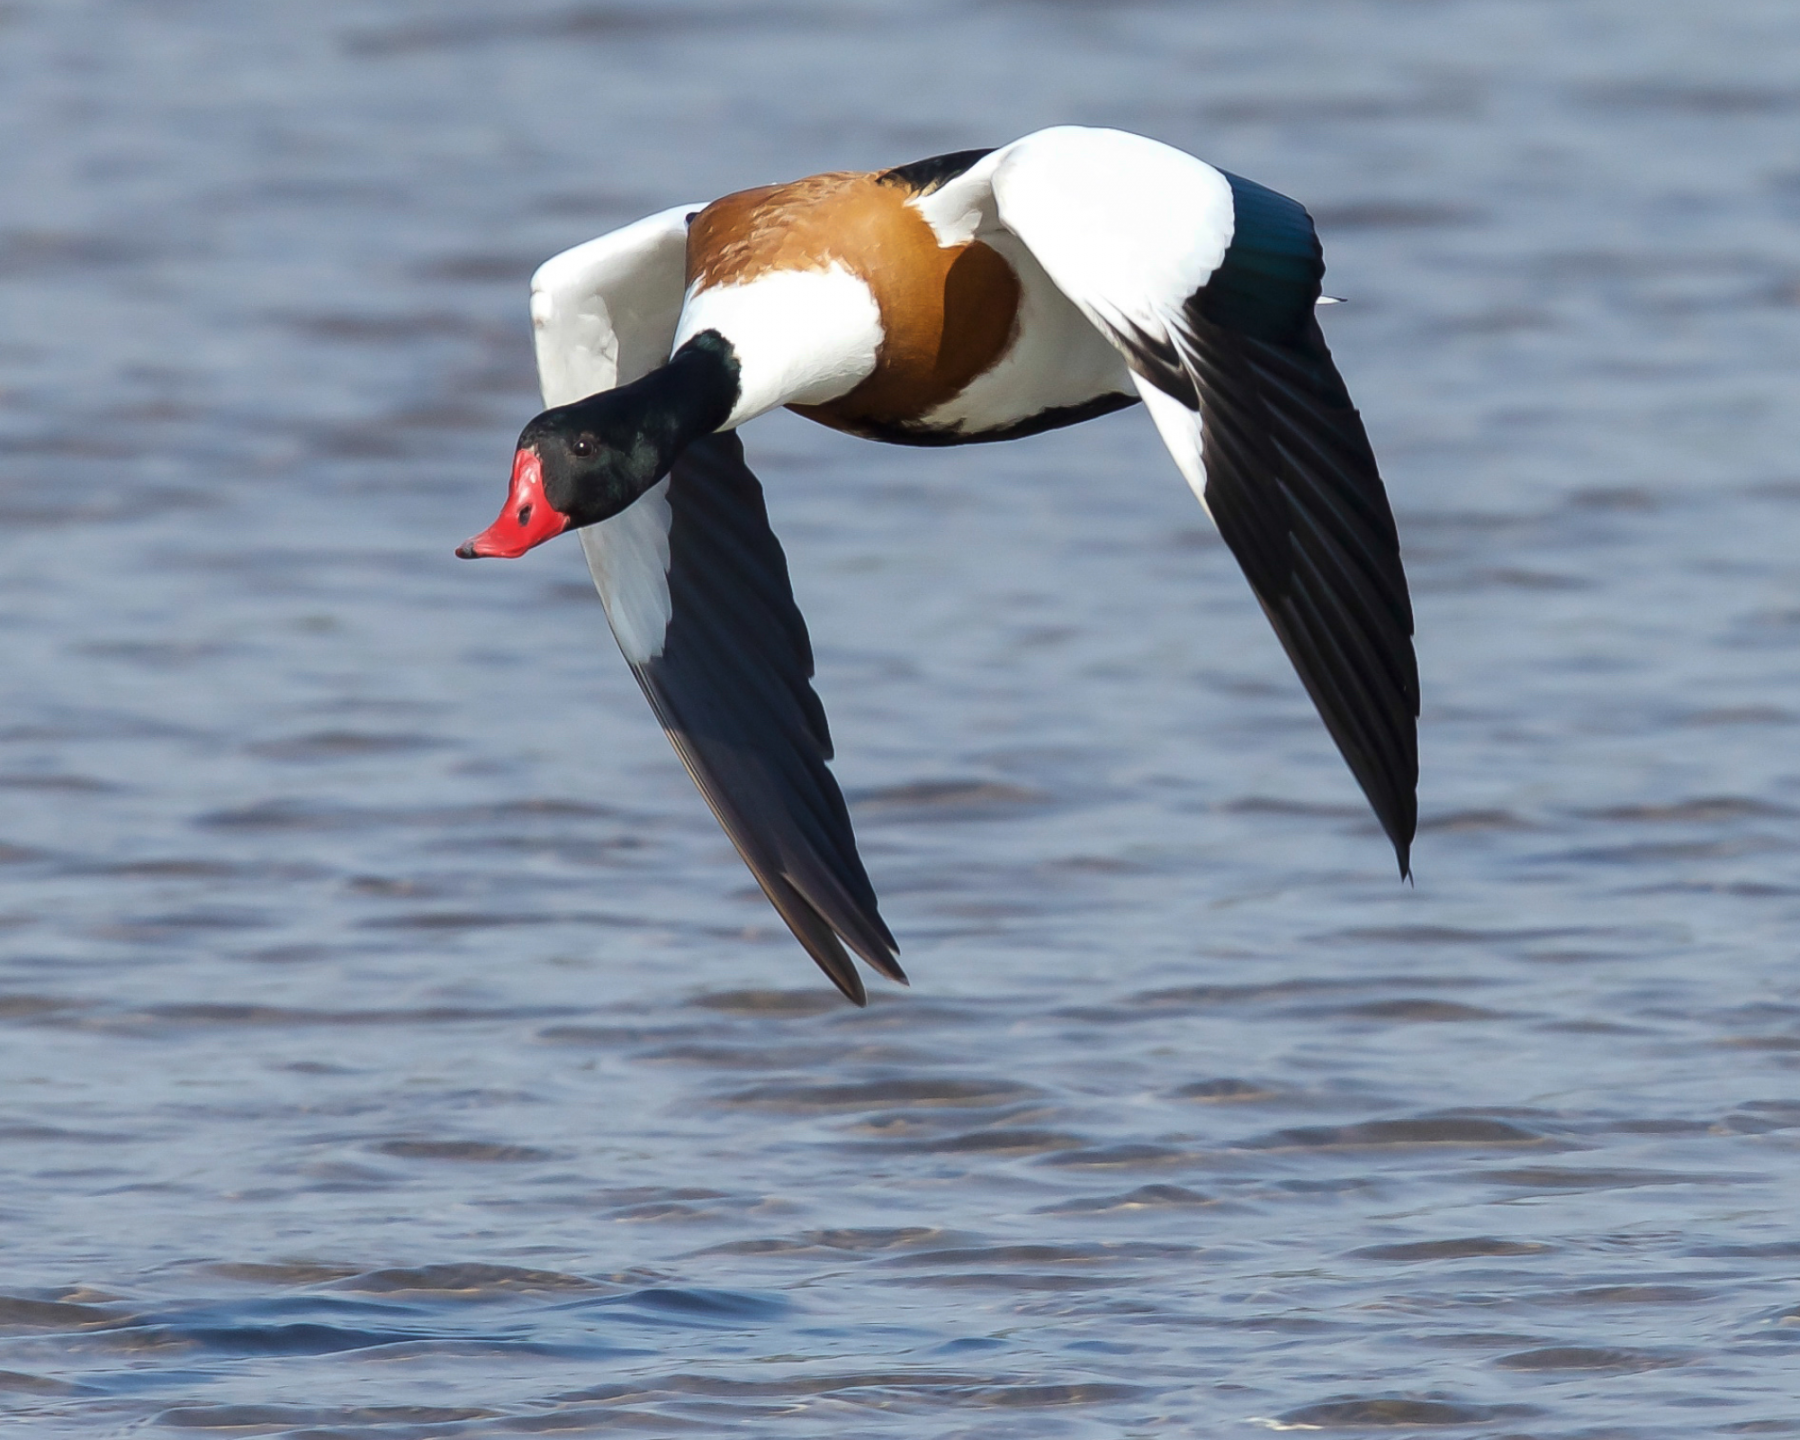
{"points": [[924, 176]]}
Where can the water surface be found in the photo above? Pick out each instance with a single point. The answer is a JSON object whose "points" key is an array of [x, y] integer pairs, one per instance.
{"points": [[393, 1044]]}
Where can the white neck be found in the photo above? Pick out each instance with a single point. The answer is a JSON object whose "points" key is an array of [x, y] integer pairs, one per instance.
{"points": [[802, 337]]}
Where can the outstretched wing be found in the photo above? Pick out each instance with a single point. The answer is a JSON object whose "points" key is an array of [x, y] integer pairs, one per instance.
{"points": [[724, 658], [696, 590], [604, 313], [1207, 284]]}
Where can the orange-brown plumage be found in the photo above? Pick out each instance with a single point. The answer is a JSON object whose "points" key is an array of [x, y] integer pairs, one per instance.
{"points": [[948, 313]]}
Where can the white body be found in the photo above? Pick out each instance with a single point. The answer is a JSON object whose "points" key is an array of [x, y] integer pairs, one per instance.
{"points": [[1141, 271], [1099, 225]]}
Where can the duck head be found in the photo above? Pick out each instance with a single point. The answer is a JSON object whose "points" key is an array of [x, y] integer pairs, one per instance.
{"points": [[575, 465], [579, 464]]}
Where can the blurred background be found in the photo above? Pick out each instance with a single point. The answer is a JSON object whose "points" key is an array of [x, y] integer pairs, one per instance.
{"points": [[395, 1047]]}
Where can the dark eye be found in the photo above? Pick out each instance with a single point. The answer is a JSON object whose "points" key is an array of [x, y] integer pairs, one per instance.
{"points": [[583, 447]]}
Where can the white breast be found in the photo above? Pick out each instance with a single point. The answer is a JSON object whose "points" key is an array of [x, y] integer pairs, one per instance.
{"points": [[801, 336]]}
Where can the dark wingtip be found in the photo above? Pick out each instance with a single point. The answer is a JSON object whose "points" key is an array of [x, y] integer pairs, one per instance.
{"points": [[880, 958], [887, 964], [853, 992]]}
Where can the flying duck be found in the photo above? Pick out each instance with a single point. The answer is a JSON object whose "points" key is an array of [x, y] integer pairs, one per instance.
{"points": [[978, 296]]}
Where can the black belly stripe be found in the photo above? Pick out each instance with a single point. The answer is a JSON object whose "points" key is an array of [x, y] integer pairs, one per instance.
{"points": [[1055, 418]]}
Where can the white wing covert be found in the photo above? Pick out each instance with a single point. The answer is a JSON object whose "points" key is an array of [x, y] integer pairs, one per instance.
{"points": [[604, 313], [1206, 283]]}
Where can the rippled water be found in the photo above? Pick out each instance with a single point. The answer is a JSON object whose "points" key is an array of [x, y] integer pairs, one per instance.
{"points": [[393, 1044]]}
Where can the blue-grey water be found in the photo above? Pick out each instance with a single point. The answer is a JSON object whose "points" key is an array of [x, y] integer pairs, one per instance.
{"points": [[393, 1045]]}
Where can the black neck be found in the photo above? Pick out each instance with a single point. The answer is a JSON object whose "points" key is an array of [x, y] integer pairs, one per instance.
{"points": [[675, 405]]}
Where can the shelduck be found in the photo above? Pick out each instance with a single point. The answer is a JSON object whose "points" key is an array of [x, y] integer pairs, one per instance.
{"points": [[978, 296]]}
